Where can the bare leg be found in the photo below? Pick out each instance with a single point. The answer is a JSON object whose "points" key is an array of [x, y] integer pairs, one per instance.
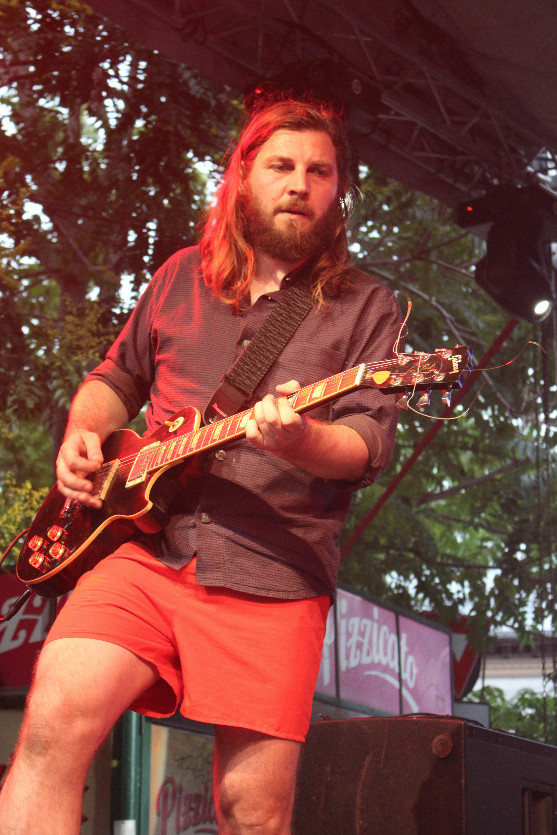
{"points": [[81, 687], [255, 781]]}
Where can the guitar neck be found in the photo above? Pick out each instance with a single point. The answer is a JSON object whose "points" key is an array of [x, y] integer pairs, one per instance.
{"points": [[178, 449], [443, 369]]}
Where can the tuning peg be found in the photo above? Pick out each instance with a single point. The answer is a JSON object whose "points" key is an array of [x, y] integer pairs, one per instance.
{"points": [[403, 403], [424, 400], [446, 398]]}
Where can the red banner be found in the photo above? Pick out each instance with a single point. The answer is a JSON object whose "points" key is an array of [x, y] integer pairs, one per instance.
{"points": [[22, 636]]}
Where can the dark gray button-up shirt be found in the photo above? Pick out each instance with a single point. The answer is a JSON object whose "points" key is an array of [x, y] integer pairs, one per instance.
{"points": [[257, 523]]}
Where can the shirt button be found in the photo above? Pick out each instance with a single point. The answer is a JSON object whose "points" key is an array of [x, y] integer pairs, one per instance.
{"points": [[245, 343], [205, 518], [220, 454]]}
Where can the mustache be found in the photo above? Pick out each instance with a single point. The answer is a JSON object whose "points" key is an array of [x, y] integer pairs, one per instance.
{"points": [[297, 206]]}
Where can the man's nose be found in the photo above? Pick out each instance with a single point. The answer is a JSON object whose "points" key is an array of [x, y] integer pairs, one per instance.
{"points": [[298, 183]]}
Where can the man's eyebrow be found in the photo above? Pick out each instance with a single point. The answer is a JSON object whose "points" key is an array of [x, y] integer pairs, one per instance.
{"points": [[290, 161], [280, 158]]}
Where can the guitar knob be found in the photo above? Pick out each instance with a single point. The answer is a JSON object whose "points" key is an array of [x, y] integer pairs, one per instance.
{"points": [[446, 398], [41, 562], [402, 404], [424, 400], [37, 560], [55, 533], [58, 551]]}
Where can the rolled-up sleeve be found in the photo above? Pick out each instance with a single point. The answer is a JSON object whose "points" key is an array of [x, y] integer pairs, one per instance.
{"points": [[371, 412], [122, 383], [128, 368]]}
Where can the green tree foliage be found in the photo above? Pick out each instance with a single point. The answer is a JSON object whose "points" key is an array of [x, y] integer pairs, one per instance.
{"points": [[99, 180], [529, 715]]}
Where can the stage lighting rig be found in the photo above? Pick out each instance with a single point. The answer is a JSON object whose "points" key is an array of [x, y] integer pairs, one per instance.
{"points": [[519, 225]]}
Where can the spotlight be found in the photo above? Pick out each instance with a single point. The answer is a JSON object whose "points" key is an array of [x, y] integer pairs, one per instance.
{"points": [[516, 271]]}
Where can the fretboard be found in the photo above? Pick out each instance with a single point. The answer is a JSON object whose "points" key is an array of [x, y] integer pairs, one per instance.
{"points": [[174, 450]]}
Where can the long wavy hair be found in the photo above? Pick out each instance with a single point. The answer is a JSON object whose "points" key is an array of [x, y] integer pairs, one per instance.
{"points": [[228, 260]]}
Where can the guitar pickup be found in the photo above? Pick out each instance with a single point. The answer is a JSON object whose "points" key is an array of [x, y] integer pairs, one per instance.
{"points": [[141, 464]]}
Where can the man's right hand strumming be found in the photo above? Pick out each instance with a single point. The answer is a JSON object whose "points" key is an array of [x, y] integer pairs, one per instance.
{"points": [[79, 455]]}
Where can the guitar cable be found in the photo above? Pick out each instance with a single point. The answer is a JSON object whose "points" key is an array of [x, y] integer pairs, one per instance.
{"points": [[15, 607]]}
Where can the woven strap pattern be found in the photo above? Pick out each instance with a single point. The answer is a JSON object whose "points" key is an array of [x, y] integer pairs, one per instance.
{"points": [[239, 383]]}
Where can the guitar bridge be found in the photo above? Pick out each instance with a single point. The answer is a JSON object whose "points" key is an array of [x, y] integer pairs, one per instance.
{"points": [[105, 486]]}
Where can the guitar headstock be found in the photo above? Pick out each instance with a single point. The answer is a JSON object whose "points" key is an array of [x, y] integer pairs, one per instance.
{"points": [[445, 369]]}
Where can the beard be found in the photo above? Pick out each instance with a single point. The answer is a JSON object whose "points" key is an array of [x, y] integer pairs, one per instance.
{"points": [[291, 242]]}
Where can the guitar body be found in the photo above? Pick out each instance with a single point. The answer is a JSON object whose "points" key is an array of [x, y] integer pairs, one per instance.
{"points": [[87, 535]]}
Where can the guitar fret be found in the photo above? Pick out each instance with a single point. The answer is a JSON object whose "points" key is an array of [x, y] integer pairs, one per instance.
{"points": [[301, 398], [244, 418], [351, 375], [348, 379], [325, 388], [330, 386], [169, 452], [182, 443], [316, 392], [195, 439], [158, 457], [174, 449], [233, 424], [215, 432]]}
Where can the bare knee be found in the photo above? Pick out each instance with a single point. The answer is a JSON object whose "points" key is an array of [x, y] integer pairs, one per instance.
{"points": [[243, 807], [55, 727], [255, 779], [81, 688], [58, 721], [56, 745]]}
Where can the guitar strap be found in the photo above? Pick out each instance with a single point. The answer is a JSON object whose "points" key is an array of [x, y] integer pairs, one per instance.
{"points": [[241, 380]]}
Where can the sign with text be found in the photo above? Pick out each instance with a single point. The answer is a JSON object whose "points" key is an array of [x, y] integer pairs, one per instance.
{"points": [[379, 659], [181, 790], [22, 636]]}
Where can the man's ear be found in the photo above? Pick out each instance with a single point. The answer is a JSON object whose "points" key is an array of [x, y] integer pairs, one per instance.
{"points": [[243, 179]]}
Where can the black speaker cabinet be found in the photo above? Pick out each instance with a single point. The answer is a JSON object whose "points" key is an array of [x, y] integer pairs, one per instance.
{"points": [[423, 776]]}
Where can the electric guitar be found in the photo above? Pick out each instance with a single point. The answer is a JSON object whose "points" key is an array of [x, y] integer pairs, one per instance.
{"points": [[137, 488]]}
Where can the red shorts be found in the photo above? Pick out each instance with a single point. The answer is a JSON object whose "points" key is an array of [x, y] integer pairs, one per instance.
{"points": [[224, 657]]}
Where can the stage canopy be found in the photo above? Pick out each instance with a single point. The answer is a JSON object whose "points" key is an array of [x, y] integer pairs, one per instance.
{"points": [[449, 97]]}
